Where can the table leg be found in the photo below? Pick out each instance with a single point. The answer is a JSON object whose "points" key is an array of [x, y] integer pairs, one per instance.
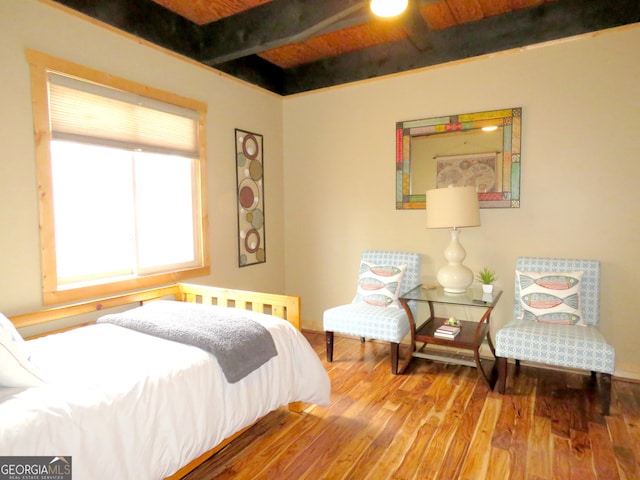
{"points": [[401, 365], [412, 342], [489, 376]]}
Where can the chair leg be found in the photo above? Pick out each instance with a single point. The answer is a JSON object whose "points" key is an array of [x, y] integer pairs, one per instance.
{"points": [[605, 392], [329, 345], [502, 374], [394, 353]]}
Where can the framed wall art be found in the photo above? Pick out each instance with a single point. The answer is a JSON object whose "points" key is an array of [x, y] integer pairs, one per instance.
{"points": [[250, 188]]}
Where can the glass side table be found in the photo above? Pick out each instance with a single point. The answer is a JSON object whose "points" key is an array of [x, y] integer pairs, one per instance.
{"points": [[471, 335]]}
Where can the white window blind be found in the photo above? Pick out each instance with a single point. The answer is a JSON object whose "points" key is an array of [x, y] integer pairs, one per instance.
{"points": [[85, 112]]}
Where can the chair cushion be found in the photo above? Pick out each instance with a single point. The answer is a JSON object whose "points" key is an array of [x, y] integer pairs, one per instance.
{"points": [[380, 284], [369, 321], [554, 344], [550, 297]]}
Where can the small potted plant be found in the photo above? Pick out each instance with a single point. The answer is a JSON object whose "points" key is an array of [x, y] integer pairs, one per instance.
{"points": [[486, 278]]}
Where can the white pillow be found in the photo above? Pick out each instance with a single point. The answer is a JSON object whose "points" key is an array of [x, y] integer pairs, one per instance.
{"points": [[10, 327], [15, 368], [551, 297], [380, 284]]}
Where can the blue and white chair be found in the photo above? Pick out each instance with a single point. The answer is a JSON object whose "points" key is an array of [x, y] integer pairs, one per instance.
{"points": [[375, 312], [556, 316]]}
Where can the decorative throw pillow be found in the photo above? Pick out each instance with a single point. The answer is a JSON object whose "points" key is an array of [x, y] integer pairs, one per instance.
{"points": [[380, 284], [15, 368], [8, 325], [551, 297]]}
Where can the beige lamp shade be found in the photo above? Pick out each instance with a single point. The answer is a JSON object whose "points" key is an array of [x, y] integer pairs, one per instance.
{"points": [[453, 207]]}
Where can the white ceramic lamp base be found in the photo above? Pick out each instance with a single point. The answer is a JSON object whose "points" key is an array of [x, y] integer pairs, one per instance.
{"points": [[455, 277]]}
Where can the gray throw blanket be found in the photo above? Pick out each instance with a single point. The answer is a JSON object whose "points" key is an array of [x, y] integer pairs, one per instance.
{"points": [[239, 344]]}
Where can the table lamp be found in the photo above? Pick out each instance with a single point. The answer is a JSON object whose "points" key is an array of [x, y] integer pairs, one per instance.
{"points": [[454, 208]]}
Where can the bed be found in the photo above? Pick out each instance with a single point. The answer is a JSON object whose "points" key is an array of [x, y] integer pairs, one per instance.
{"points": [[130, 405]]}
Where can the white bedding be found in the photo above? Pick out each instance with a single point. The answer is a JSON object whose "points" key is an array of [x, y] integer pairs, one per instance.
{"points": [[125, 405]]}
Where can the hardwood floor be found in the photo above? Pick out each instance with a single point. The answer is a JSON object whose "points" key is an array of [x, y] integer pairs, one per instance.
{"points": [[439, 421]]}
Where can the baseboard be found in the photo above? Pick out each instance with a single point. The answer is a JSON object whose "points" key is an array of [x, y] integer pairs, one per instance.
{"points": [[312, 326]]}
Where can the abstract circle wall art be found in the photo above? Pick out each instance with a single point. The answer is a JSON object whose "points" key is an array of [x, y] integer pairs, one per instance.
{"points": [[250, 190]]}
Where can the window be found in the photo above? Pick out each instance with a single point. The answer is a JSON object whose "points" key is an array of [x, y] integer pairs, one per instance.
{"points": [[121, 179]]}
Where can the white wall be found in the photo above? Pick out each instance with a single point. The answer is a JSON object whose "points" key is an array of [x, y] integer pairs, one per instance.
{"points": [[580, 169], [52, 30]]}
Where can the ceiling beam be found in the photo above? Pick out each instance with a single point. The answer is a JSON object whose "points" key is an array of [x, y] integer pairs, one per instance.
{"points": [[256, 71], [416, 27], [145, 19], [275, 24]]}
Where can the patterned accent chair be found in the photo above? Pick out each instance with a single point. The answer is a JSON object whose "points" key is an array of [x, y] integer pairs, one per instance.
{"points": [[370, 320], [564, 343]]}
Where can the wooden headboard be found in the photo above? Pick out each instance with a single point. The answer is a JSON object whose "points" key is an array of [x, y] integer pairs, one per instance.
{"points": [[283, 306]]}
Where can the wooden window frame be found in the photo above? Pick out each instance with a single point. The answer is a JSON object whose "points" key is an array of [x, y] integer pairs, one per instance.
{"points": [[41, 64]]}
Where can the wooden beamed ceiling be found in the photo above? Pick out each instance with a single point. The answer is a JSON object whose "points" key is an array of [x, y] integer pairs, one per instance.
{"points": [[292, 46]]}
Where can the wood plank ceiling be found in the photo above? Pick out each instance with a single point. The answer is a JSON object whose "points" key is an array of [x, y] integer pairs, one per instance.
{"points": [[291, 46]]}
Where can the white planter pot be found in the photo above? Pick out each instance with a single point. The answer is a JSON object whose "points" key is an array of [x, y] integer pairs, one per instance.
{"points": [[487, 288]]}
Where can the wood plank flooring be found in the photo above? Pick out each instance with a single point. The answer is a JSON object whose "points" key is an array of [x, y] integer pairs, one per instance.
{"points": [[439, 421]]}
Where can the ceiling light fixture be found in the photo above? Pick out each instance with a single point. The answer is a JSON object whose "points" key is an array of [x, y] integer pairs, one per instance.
{"points": [[491, 128], [388, 8]]}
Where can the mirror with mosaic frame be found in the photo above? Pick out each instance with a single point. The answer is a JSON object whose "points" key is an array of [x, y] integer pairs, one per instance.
{"points": [[481, 149]]}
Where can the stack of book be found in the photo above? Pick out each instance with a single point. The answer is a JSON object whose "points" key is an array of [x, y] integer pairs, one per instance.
{"points": [[446, 331]]}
